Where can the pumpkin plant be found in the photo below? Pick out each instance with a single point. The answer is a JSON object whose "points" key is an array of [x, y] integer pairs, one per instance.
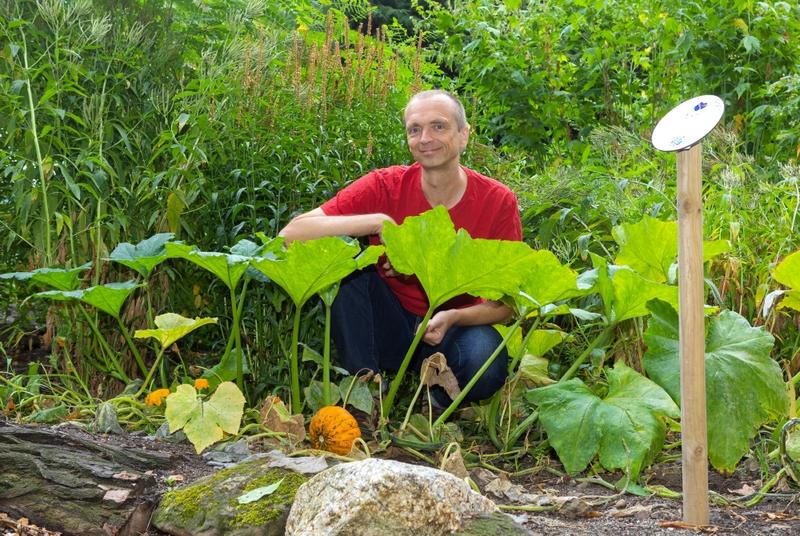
{"points": [[313, 267], [170, 328], [787, 273], [205, 421], [229, 268], [334, 429], [447, 264]]}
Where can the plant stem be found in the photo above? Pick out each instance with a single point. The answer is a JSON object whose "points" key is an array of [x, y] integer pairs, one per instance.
{"points": [[237, 337], [521, 428], [387, 404], [589, 349], [126, 334], [467, 388], [39, 161], [149, 376], [118, 372], [326, 359], [295, 369], [515, 360]]}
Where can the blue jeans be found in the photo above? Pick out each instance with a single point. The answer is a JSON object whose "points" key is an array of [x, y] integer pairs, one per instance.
{"points": [[371, 330]]}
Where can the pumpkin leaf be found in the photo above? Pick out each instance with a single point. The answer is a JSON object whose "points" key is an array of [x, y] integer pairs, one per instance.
{"points": [[57, 278], [258, 493], [542, 341], [108, 298], [632, 292], [172, 327], [205, 422], [625, 429], [534, 369], [144, 256], [315, 398], [229, 268], [546, 281], [650, 247], [225, 370], [448, 264], [360, 396], [312, 266], [787, 273], [744, 385]]}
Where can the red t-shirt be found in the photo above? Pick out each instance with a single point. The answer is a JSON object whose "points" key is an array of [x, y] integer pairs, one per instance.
{"points": [[488, 209]]}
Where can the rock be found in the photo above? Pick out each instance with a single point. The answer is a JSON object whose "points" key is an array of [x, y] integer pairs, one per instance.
{"points": [[384, 497], [209, 506], [496, 524]]}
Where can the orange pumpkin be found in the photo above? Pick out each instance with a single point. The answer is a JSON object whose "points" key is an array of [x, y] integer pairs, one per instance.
{"points": [[334, 429]]}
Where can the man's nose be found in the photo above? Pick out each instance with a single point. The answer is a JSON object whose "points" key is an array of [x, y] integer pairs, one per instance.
{"points": [[425, 135]]}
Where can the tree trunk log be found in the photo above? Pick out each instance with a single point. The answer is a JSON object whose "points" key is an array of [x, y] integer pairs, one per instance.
{"points": [[67, 483]]}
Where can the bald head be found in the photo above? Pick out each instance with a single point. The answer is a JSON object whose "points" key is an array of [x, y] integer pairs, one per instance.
{"points": [[458, 109]]}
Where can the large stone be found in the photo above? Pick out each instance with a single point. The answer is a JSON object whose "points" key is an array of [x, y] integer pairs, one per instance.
{"points": [[384, 497], [210, 506]]}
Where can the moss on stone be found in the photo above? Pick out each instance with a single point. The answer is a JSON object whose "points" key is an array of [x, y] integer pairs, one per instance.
{"points": [[185, 502], [271, 506]]}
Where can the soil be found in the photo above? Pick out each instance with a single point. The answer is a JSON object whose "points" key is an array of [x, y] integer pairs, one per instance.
{"points": [[585, 508]]}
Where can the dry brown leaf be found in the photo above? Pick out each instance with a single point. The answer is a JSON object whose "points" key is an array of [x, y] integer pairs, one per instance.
{"points": [[124, 475], [453, 463], [275, 416], [635, 510], [745, 490], [709, 529], [434, 371]]}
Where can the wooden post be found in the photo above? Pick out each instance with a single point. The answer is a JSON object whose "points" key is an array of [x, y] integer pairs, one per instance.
{"points": [[692, 337]]}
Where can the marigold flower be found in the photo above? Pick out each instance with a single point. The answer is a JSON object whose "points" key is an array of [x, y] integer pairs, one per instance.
{"points": [[201, 383], [154, 398]]}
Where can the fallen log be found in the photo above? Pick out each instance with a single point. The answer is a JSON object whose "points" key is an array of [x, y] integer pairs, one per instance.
{"points": [[71, 483]]}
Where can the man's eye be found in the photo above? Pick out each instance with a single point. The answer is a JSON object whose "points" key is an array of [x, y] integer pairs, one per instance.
{"points": [[414, 130], [439, 127]]}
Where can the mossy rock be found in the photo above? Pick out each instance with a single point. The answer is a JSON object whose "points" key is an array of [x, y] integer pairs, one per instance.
{"points": [[210, 506], [497, 523]]}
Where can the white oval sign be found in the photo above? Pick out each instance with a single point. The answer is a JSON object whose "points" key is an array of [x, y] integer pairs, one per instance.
{"points": [[688, 123]]}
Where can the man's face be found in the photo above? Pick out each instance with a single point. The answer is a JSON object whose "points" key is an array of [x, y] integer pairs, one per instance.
{"points": [[433, 135]]}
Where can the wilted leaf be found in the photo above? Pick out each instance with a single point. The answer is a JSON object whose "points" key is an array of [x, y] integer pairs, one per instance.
{"points": [[534, 369], [434, 371], [277, 417], [144, 256], [744, 385], [625, 429], [172, 327]]}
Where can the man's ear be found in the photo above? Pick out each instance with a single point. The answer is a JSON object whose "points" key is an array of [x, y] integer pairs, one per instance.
{"points": [[465, 137]]}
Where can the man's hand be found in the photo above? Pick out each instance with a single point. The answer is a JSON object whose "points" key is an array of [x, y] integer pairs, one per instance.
{"points": [[438, 326]]}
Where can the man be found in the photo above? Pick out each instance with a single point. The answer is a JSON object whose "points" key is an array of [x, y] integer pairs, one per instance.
{"points": [[377, 311]]}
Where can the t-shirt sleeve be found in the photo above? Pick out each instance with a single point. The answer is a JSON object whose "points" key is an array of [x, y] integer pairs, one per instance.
{"points": [[362, 196], [508, 225]]}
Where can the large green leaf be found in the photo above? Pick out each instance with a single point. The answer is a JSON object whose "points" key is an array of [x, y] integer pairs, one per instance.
{"points": [[312, 266], [229, 268], [172, 327], [546, 281], [108, 298], [787, 273], [57, 278], [650, 247], [632, 292], [625, 429], [448, 264], [144, 256], [744, 385], [204, 422]]}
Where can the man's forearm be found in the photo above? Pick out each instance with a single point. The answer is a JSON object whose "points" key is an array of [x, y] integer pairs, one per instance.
{"points": [[316, 224], [490, 312]]}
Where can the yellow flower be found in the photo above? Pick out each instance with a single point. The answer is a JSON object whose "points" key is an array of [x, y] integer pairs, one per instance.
{"points": [[154, 398], [201, 383]]}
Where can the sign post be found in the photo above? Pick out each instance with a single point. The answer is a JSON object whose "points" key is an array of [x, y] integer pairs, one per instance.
{"points": [[681, 130]]}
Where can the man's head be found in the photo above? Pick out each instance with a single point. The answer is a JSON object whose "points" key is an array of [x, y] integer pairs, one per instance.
{"points": [[436, 129]]}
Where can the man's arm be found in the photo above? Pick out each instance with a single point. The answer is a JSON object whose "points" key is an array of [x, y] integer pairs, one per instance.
{"points": [[315, 224], [490, 312]]}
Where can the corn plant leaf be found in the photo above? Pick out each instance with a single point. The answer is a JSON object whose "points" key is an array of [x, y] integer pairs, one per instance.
{"points": [[172, 327], [625, 429], [787, 273], [144, 256], [57, 278], [204, 422], [108, 298], [650, 246], [448, 264], [744, 385], [313, 266], [229, 268]]}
